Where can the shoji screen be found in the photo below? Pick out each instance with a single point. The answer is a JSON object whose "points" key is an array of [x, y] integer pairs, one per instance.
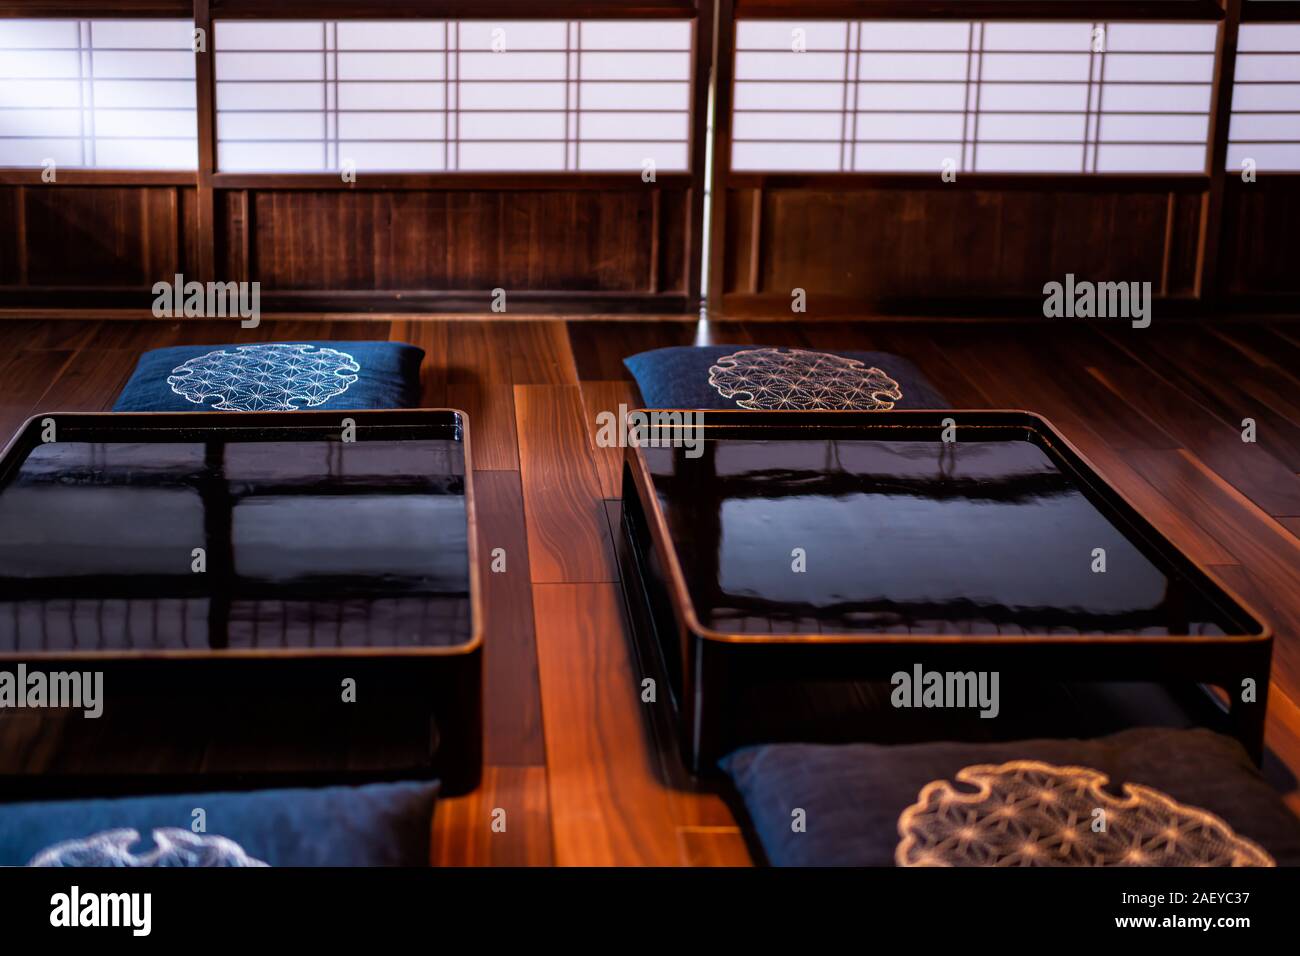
{"points": [[1266, 98], [535, 96], [108, 94], [913, 96]]}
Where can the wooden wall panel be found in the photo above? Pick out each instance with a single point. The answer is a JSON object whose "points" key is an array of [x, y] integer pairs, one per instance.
{"points": [[671, 267], [12, 240], [1184, 243], [188, 227], [371, 240], [1259, 249], [880, 244], [114, 237]]}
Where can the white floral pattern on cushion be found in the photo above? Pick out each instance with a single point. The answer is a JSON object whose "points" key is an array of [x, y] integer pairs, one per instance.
{"points": [[800, 379], [1027, 813], [273, 377], [172, 847]]}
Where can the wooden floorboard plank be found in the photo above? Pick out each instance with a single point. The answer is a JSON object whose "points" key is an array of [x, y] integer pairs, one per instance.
{"points": [[505, 822], [722, 332], [26, 380], [35, 335], [1232, 387], [1282, 738], [1263, 346], [1257, 542], [491, 412], [511, 689], [540, 354], [608, 804], [1212, 435], [936, 360], [90, 382], [713, 846], [694, 803], [1050, 376], [432, 337], [567, 541], [478, 353], [791, 334], [138, 336], [599, 348], [606, 398]]}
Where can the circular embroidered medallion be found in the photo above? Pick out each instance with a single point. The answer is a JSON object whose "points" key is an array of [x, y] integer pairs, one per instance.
{"points": [[275, 377], [1027, 813], [172, 847], [799, 379]]}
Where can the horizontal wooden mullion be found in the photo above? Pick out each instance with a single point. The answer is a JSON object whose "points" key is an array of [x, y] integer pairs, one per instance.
{"points": [[16, 176], [1055, 182], [455, 9], [1026, 10], [1012, 308], [13, 176], [358, 10], [472, 301], [138, 302], [436, 181], [42, 9], [1272, 11]]}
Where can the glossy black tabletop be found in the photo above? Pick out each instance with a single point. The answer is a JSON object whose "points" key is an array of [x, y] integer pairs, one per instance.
{"points": [[838, 535], [305, 544]]}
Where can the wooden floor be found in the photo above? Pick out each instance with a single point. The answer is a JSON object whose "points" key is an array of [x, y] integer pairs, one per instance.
{"points": [[570, 756]]}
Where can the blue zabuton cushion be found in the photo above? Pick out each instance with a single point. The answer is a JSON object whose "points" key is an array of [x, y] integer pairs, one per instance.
{"points": [[274, 376], [853, 796], [384, 824], [762, 377]]}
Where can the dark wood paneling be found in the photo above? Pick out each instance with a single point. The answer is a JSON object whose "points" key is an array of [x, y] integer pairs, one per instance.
{"points": [[576, 241], [1258, 253], [97, 236], [1182, 243], [878, 245], [13, 240]]}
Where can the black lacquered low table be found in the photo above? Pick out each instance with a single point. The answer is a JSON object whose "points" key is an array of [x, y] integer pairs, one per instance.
{"points": [[270, 598], [786, 565]]}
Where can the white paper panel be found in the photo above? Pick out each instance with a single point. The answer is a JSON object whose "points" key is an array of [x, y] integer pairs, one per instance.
{"points": [[780, 35], [97, 94], [989, 97], [892, 157], [43, 34], [1118, 158], [435, 95], [789, 127], [1265, 126]]}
